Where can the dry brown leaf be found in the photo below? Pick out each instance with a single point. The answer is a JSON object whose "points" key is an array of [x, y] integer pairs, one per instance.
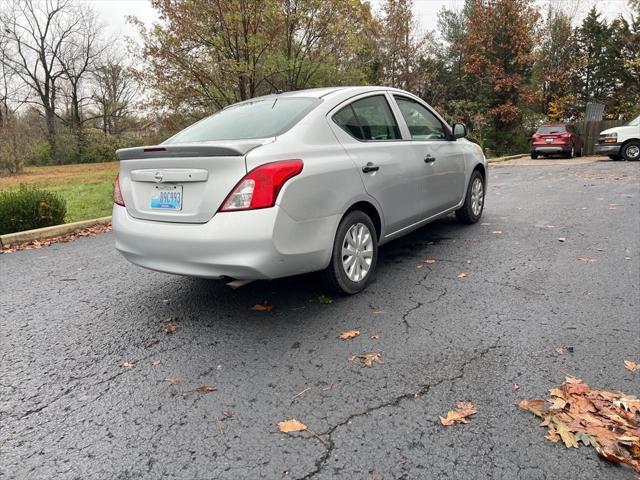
{"points": [[170, 327], [127, 365], [586, 259], [368, 359], [462, 275], [349, 334], [559, 350], [155, 361], [497, 232], [375, 336], [605, 420], [293, 425], [262, 307], [419, 266], [460, 415], [562, 239], [36, 244], [205, 389], [515, 387], [429, 261], [631, 366]]}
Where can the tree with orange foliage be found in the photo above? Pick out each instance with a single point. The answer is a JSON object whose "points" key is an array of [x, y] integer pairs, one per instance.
{"points": [[498, 56]]}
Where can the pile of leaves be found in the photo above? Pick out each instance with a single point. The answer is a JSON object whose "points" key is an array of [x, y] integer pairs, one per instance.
{"points": [[607, 421], [35, 244]]}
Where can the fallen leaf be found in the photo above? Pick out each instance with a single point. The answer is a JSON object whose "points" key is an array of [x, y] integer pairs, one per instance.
{"points": [[127, 365], [293, 425], [550, 226], [419, 266], [605, 420], [327, 387], [368, 359], [227, 414], [325, 299], [515, 387], [429, 261], [586, 259], [562, 239], [631, 366], [36, 244], [262, 307], [205, 389], [375, 336], [497, 232], [376, 310], [462, 275], [155, 362], [170, 327], [559, 350], [460, 415], [349, 334]]}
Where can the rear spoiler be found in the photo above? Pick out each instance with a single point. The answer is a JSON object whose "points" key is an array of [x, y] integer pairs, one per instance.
{"points": [[235, 149]]}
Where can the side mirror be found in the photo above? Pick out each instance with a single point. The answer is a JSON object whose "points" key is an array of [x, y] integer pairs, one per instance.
{"points": [[459, 130]]}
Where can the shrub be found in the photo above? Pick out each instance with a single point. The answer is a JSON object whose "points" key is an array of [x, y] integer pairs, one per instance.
{"points": [[29, 207]]}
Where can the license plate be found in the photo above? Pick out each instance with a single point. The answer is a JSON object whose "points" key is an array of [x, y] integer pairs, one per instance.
{"points": [[167, 197], [549, 140]]}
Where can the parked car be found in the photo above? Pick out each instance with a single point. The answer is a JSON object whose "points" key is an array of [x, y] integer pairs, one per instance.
{"points": [[556, 138], [621, 142], [293, 183]]}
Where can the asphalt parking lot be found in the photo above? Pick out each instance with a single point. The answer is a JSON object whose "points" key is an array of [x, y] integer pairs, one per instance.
{"points": [[72, 314]]}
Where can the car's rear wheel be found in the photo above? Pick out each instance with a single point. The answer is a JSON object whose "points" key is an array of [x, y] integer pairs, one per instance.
{"points": [[354, 255], [631, 151], [534, 155], [615, 158], [579, 152], [471, 210], [570, 153]]}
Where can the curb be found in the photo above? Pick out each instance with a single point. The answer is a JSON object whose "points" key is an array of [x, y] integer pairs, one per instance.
{"points": [[504, 159], [49, 232]]}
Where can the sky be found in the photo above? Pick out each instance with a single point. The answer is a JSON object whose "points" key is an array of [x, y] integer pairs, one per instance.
{"points": [[114, 12]]}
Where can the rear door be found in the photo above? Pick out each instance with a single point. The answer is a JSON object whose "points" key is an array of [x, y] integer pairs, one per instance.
{"points": [[369, 132], [441, 159], [181, 183]]}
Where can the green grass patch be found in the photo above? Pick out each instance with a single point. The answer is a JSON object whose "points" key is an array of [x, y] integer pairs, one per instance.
{"points": [[87, 188]]}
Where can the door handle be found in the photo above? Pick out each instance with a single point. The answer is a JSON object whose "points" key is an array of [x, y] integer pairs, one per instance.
{"points": [[429, 159], [370, 167]]}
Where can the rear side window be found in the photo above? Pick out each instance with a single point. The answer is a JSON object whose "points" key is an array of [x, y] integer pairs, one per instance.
{"points": [[550, 129], [253, 119], [368, 119]]}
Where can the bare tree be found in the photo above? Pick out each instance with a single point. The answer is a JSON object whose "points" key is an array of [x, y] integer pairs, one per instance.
{"points": [[113, 93], [35, 33]]}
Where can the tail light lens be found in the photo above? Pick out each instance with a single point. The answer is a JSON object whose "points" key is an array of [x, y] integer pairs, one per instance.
{"points": [[566, 135], [260, 187], [118, 199]]}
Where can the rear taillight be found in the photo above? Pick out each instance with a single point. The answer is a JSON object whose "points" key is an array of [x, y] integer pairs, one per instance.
{"points": [[260, 187], [118, 199], [566, 135]]}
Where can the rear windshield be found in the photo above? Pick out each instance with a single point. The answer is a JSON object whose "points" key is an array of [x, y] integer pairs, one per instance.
{"points": [[253, 119], [549, 129]]}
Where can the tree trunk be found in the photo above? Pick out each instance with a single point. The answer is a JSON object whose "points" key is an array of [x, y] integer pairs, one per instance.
{"points": [[51, 136]]}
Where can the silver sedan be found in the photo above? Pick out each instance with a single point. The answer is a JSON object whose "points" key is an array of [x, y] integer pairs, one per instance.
{"points": [[313, 180]]}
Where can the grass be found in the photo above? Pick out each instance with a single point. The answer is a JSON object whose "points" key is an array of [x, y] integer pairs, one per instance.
{"points": [[87, 187]]}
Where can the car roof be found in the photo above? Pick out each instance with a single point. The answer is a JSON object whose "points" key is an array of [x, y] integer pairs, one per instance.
{"points": [[322, 92]]}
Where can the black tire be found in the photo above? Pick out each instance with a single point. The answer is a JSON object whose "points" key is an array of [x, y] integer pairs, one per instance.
{"points": [[579, 152], [465, 213], [631, 151], [534, 155], [335, 275], [570, 153], [615, 158]]}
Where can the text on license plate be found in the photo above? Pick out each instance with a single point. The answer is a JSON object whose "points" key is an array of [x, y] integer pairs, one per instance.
{"points": [[549, 140], [167, 197]]}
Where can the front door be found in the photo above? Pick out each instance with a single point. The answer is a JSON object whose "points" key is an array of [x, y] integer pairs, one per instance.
{"points": [[442, 158]]}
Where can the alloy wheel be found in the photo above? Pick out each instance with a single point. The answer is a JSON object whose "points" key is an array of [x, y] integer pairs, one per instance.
{"points": [[357, 252], [477, 196]]}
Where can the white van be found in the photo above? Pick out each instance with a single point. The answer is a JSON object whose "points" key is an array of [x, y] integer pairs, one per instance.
{"points": [[621, 143]]}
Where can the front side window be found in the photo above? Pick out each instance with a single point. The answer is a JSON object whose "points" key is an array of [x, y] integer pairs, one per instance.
{"points": [[368, 119], [423, 125], [261, 118]]}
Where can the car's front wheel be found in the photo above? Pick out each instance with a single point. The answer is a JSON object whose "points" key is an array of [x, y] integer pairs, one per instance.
{"points": [[631, 151], [355, 254], [471, 210]]}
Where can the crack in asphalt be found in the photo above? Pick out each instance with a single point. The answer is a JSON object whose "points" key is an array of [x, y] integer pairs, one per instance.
{"points": [[394, 402]]}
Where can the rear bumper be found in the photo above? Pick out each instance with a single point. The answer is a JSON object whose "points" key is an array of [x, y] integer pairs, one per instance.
{"points": [[247, 245], [607, 148], [550, 148]]}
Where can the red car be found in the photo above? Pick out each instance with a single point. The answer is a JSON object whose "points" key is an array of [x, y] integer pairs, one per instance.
{"points": [[560, 138]]}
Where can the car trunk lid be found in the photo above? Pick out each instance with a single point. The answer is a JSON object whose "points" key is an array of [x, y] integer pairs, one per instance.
{"points": [[181, 183]]}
